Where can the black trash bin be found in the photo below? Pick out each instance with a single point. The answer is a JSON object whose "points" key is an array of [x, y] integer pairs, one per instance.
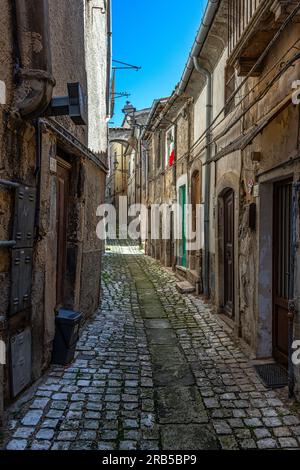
{"points": [[67, 324]]}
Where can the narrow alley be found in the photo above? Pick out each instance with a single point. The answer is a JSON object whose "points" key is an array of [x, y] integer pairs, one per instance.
{"points": [[154, 370]]}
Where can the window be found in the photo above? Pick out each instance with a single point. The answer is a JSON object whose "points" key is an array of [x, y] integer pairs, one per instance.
{"points": [[170, 147]]}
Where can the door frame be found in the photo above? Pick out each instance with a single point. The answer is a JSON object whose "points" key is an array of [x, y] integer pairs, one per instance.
{"points": [[229, 180], [182, 181], [276, 354], [182, 243], [64, 165], [264, 322]]}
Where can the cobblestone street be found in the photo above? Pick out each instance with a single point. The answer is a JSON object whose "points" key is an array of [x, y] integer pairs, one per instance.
{"points": [[154, 370]]}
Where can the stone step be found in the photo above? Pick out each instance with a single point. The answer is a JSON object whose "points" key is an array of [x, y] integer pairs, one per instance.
{"points": [[184, 287]]}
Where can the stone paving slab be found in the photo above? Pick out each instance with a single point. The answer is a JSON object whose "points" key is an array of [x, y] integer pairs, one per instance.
{"points": [[180, 404], [154, 370]]}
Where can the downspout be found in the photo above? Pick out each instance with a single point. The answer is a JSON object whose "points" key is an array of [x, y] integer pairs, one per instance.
{"points": [[34, 71], [209, 108], [208, 17]]}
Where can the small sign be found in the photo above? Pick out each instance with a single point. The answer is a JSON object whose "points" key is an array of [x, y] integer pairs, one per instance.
{"points": [[256, 190], [53, 165]]}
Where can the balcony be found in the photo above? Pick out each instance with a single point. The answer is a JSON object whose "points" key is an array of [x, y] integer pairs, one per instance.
{"points": [[252, 25]]}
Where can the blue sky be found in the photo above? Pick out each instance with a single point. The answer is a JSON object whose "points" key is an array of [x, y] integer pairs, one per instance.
{"points": [[156, 35]]}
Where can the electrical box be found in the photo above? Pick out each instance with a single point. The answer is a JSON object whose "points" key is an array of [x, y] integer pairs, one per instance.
{"points": [[21, 279], [24, 216], [20, 346]]}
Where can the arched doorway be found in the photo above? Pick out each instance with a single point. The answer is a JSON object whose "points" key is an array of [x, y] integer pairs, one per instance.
{"points": [[194, 255], [228, 250]]}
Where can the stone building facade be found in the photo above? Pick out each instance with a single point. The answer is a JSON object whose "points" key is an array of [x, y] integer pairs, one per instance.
{"points": [[234, 124], [52, 172], [117, 178], [125, 177]]}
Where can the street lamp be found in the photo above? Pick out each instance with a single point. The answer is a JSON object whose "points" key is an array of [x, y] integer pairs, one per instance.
{"points": [[129, 109]]}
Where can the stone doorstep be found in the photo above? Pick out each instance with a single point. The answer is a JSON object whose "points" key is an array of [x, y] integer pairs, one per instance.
{"points": [[184, 287]]}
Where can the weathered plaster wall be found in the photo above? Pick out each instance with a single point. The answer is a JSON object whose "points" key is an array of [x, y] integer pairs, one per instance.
{"points": [[219, 85], [199, 115], [182, 141], [96, 37], [68, 52], [44, 271], [92, 246]]}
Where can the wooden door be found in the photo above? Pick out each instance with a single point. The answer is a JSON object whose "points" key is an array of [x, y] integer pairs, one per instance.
{"points": [[63, 184], [182, 245], [229, 253], [281, 268]]}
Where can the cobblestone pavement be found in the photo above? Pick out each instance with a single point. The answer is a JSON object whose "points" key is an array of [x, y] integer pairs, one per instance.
{"points": [[153, 370]]}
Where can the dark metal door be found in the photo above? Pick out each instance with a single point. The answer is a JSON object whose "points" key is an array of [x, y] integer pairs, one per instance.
{"points": [[63, 176], [229, 252], [281, 268]]}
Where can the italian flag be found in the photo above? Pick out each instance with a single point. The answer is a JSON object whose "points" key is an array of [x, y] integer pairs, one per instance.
{"points": [[171, 150]]}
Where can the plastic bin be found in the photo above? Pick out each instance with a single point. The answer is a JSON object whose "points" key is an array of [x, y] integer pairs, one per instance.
{"points": [[67, 324]]}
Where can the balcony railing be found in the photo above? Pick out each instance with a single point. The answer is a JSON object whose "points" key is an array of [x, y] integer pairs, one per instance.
{"points": [[240, 13], [252, 25]]}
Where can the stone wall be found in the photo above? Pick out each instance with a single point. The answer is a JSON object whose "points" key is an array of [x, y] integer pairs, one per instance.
{"points": [[19, 162], [68, 53]]}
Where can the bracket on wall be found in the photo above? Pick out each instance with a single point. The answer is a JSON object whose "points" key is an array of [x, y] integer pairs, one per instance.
{"points": [[103, 9], [73, 105]]}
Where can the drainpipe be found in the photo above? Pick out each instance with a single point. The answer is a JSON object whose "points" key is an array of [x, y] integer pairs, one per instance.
{"points": [[208, 17], [34, 70], [209, 107]]}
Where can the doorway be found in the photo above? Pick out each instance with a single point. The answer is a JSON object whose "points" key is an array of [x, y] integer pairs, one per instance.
{"points": [[63, 186], [229, 252], [282, 216], [196, 198], [182, 242]]}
